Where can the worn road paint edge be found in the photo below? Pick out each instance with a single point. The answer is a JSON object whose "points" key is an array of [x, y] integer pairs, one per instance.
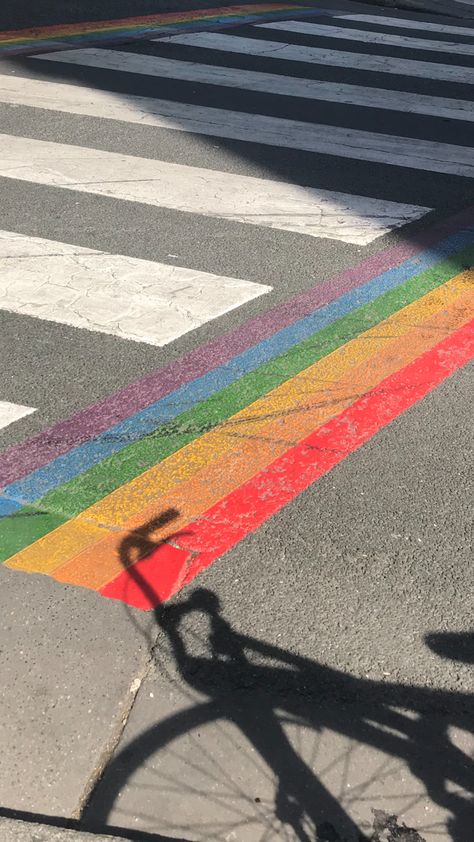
{"points": [[163, 572]]}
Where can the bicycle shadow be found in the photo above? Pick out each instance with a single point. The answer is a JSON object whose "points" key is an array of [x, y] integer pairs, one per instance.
{"points": [[258, 686]]}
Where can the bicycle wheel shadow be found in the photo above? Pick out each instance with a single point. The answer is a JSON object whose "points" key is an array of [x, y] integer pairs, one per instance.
{"points": [[258, 687]]}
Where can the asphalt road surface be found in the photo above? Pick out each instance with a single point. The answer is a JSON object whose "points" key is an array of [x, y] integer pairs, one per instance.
{"points": [[236, 298]]}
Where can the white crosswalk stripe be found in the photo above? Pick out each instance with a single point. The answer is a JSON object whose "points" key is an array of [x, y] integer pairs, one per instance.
{"points": [[331, 58], [214, 124], [239, 198], [404, 23], [10, 412], [408, 42], [249, 80], [243, 199], [134, 299]]}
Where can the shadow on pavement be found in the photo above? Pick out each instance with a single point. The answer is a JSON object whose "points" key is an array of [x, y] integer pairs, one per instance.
{"points": [[259, 687], [218, 248], [241, 676], [36, 823]]}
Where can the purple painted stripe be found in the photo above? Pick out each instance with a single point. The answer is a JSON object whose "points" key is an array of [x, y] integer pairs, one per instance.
{"points": [[27, 456]]}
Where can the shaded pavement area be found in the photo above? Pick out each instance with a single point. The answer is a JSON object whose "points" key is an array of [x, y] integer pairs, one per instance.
{"points": [[262, 690], [232, 733]]}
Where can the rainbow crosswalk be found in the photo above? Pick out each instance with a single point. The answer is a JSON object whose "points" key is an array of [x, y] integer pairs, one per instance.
{"points": [[67, 36], [226, 436]]}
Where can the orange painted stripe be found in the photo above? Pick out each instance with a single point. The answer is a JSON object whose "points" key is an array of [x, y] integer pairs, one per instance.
{"points": [[166, 569], [260, 446], [114, 512]]}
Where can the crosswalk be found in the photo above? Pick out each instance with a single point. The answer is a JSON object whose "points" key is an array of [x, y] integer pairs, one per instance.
{"points": [[10, 412], [304, 132], [236, 78], [329, 57], [114, 294], [190, 189]]}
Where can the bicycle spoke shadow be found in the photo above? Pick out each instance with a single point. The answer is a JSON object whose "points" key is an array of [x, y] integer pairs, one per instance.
{"points": [[259, 688]]}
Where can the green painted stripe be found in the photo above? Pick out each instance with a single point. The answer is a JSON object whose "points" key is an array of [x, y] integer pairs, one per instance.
{"points": [[58, 506]]}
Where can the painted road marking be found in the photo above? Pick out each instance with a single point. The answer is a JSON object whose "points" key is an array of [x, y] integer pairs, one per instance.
{"points": [[330, 58], [436, 313], [122, 296], [239, 198], [171, 566], [10, 412], [310, 393], [251, 80], [411, 330], [225, 447], [181, 400], [60, 36], [369, 37], [246, 199], [86, 569], [405, 23], [219, 463], [222, 361]]}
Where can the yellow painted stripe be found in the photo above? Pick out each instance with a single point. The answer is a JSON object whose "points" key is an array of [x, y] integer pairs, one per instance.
{"points": [[98, 564], [115, 510]]}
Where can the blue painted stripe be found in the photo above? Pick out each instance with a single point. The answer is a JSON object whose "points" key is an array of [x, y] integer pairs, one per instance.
{"points": [[8, 507], [77, 461]]}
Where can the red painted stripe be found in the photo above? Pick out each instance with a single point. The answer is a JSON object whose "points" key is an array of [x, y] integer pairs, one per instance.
{"points": [[245, 509], [151, 580]]}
